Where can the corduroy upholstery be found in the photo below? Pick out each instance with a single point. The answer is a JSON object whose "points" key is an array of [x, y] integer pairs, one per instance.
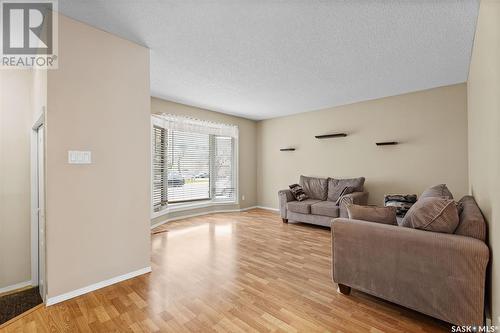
{"points": [[438, 274], [438, 191], [471, 219], [385, 215], [432, 214]]}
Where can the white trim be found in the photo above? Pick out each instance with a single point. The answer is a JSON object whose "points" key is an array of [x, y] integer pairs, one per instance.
{"points": [[15, 286], [40, 121], [34, 207], [95, 286], [34, 196], [188, 124], [268, 208], [236, 159], [260, 207], [151, 151], [194, 215], [248, 208], [210, 212], [172, 208]]}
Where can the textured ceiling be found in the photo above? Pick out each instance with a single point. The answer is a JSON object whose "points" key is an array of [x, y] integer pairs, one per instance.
{"points": [[262, 59]]}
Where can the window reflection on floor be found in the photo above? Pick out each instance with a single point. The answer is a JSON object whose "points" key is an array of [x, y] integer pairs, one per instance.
{"points": [[223, 230]]}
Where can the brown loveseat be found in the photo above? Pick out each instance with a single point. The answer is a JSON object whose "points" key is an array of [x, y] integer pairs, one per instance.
{"points": [[325, 200], [438, 274]]}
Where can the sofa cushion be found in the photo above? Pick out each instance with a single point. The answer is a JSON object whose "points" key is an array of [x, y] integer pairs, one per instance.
{"points": [[325, 208], [438, 191], [336, 186], [432, 214], [303, 207], [471, 222], [385, 215], [315, 188]]}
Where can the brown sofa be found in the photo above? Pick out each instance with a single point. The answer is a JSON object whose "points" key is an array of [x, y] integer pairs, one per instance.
{"points": [[438, 274], [325, 200]]}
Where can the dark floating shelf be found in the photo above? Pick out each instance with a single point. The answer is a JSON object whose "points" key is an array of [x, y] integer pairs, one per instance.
{"points": [[386, 143], [335, 135], [287, 149]]}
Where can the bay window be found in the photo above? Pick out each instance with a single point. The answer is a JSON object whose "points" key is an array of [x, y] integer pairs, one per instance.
{"points": [[192, 161]]}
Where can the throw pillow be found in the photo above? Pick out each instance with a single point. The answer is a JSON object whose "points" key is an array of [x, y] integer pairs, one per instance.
{"points": [[346, 190], [472, 223], [385, 215], [298, 192], [335, 186], [438, 191], [432, 214]]}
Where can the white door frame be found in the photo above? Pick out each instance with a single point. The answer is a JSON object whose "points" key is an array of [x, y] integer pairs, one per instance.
{"points": [[34, 202]]}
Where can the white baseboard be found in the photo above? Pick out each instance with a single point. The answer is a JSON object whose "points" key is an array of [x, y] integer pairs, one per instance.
{"points": [[194, 215], [209, 212], [15, 286], [248, 208], [268, 208], [95, 286]]}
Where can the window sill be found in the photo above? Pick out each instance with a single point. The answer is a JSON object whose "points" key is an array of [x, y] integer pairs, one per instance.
{"points": [[179, 207]]}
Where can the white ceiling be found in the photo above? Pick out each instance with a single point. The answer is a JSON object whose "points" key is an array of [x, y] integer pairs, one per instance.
{"points": [[262, 58]]}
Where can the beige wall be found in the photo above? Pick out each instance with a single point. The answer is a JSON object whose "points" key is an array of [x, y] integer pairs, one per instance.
{"points": [[484, 132], [431, 127], [98, 214], [247, 151], [15, 182], [39, 99]]}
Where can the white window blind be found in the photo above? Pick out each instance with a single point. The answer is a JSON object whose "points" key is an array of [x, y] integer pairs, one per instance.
{"points": [[223, 174], [193, 160], [159, 172], [188, 166]]}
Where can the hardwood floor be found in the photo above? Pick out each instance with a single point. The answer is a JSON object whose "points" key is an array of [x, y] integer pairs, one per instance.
{"points": [[233, 272]]}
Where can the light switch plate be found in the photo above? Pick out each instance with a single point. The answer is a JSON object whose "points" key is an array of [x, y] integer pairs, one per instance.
{"points": [[79, 157]]}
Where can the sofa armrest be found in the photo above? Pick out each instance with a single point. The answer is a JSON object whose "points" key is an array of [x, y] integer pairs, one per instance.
{"points": [[442, 275], [284, 197], [357, 198]]}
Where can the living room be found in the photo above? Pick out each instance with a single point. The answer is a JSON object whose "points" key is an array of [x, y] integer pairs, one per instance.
{"points": [[281, 166]]}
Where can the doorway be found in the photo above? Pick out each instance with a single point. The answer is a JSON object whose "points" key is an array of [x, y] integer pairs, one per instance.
{"points": [[23, 97]]}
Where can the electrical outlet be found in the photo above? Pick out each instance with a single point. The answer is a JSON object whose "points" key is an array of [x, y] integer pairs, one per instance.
{"points": [[79, 157], [243, 198]]}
